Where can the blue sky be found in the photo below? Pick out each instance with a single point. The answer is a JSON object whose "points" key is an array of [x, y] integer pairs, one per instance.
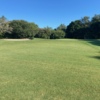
{"points": [[50, 13]]}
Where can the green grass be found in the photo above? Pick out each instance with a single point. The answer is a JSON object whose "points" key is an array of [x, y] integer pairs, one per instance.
{"points": [[50, 70]]}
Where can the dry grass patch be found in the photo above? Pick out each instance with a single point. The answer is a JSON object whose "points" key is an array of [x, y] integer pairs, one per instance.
{"points": [[16, 39]]}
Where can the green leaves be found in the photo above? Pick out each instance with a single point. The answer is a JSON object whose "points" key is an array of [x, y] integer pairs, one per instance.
{"points": [[23, 29], [57, 34], [4, 27]]}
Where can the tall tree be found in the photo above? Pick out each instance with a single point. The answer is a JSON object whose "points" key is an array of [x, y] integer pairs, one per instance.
{"points": [[61, 27], [85, 21], [95, 30], [44, 33], [72, 29], [57, 34], [96, 18], [4, 27], [23, 29]]}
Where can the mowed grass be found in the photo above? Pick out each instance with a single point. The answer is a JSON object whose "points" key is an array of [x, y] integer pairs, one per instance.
{"points": [[41, 69]]}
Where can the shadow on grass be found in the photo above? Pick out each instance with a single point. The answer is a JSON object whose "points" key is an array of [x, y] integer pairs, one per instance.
{"points": [[94, 41], [97, 43], [96, 57]]}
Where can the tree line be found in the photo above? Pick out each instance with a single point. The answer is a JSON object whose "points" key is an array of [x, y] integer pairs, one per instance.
{"points": [[84, 28]]}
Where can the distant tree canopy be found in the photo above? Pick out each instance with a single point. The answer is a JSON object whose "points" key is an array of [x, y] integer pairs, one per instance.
{"points": [[83, 28], [49, 33], [44, 33], [57, 34], [96, 18], [23, 29], [73, 29], [4, 27], [61, 27]]}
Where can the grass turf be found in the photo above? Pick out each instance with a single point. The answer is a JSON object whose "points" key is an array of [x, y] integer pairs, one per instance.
{"points": [[41, 69]]}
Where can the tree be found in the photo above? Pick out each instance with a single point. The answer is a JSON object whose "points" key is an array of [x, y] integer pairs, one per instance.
{"points": [[4, 27], [57, 34], [73, 29], [23, 29], [96, 18], [95, 30], [85, 21], [61, 27], [44, 33]]}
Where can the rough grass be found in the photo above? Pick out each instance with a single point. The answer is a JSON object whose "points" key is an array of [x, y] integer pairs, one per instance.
{"points": [[50, 70]]}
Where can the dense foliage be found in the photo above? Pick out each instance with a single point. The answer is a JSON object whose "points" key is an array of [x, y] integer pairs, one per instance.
{"points": [[4, 27], [49, 33], [23, 29], [83, 28], [57, 34], [44, 33]]}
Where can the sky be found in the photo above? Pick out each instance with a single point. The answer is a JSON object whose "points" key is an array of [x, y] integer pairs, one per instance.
{"points": [[50, 13]]}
